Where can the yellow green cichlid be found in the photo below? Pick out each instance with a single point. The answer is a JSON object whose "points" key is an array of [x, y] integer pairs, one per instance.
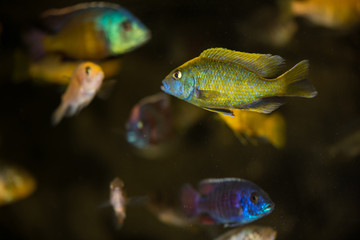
{"points": [[220, 80]]}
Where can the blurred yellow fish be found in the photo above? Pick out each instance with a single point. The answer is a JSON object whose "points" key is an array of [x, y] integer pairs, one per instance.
{"points": [[85, 82], [118, 199], [15, 184], [53, 70], [328, 13], [252, 125]]}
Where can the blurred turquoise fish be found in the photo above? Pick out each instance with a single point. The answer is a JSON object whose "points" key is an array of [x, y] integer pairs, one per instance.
{"points": [[220, 80], [93, 30]]}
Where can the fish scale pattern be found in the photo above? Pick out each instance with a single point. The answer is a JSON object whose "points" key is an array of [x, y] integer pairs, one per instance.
{"points": [[234, 84]]}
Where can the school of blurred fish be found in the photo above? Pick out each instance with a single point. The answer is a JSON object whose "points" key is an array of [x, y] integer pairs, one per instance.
{"points": [[80, 47]]}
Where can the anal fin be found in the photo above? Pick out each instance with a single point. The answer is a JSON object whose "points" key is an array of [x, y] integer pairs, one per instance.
{"points": [[232, 224], [224, 111], [264, 105], [206, 219]]}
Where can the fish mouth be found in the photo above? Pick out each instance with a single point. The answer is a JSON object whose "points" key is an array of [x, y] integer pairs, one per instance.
{"points": [[165, 87], [269, 208]]}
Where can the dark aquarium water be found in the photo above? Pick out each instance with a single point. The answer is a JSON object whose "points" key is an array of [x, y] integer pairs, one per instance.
{"points": [[312, 176]]}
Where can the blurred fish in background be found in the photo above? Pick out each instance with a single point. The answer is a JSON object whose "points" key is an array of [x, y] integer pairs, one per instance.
{"points": [[252, 232], [15, 184], [168, 211], [228, 201], [85, 82], [150, 121], [271, 26], [251, 126], [348, 146], [337, 14], [118, 200], [156, 124], [88, 31], [55, 70], [220, 80]]}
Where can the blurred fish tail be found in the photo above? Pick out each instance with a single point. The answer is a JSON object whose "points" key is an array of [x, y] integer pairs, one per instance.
{"points": [[275, 130], [59, 114], [189, 201], [21, 67], [34, 39], [295, 81]]}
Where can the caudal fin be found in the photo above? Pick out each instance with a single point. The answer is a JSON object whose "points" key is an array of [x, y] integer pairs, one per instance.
{"points": [[189, 201], [295, 81], [59, 114]]}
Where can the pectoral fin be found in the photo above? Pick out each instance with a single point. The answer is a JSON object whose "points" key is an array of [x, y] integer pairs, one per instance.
{"points": [[264, 105], [208, 94], [224, 111], [232, 224]]}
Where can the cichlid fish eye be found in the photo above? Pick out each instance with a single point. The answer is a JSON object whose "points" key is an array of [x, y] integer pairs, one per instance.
{"points": [[126, 25], [254, 197], [177, 75], [87, 70]]}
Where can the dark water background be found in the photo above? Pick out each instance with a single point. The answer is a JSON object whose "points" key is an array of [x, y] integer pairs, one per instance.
{"points": [[316, 195]]}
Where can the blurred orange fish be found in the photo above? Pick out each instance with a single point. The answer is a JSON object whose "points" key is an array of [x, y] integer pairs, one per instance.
{"points": [[15, 184], [328, 13], [118, 199], [84, 84], [251, 125]]}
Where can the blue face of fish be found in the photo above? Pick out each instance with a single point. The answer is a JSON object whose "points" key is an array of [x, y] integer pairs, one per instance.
{"points": [[137, 131], [254, 203], [179, 83]]}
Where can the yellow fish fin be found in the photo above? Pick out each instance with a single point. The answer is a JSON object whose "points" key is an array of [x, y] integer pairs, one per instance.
{"points": [[241, 138], [223, 111], [264, 105], [295, 82], [209, 94], [275, 128], [266, 65]]}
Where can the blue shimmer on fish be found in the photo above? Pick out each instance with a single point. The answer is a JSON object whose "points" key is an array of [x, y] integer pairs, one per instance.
{"points": [[150, 122], [220, 80], [93, 30], [228, 201]]}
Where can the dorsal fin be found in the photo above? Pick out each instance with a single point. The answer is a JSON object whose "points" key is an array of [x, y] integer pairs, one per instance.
{"points": [[207, 185], [266, 65]]}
